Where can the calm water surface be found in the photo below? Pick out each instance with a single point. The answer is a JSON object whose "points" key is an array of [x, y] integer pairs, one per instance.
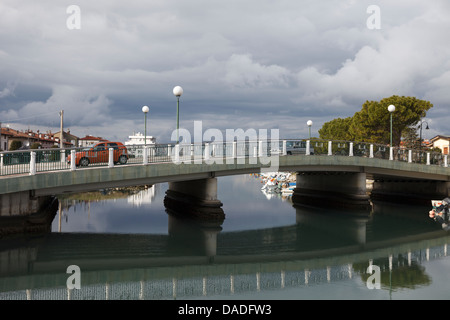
{"points": [[128, 246]]}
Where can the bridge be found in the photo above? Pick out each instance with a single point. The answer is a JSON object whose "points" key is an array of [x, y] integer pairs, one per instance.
{"points": [[332, 173]]}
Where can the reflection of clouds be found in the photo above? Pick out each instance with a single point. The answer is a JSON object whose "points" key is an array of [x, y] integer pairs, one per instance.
{"points": [[142, 197], [84, 216]]}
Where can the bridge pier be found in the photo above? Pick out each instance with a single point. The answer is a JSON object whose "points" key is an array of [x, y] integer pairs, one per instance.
{"points": [[195, 199], [193, 237], [21, 212], [346, 190], [352, 226], [410, 191]]}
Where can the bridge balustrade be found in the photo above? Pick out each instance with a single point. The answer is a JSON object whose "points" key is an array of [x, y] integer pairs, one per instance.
{"points": [[44, 160]]}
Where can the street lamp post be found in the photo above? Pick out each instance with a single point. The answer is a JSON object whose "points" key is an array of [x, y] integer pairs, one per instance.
{"points": [[145, 110], [420, 139], [309, 123], [391, 109], [178, 91]]}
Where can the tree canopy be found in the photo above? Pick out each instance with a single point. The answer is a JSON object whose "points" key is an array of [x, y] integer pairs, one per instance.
{"points": [[337, 129], [372, 123], [15, 145]]}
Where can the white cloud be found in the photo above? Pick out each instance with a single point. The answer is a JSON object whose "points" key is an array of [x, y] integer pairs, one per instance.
{"points": [[410, 59], [8, 90], [79, 107], [242, 72]]}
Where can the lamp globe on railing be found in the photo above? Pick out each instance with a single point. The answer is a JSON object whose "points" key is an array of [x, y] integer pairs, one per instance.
{"points": [[309, 123], [391, 109], [145, 110], [178, 91]]}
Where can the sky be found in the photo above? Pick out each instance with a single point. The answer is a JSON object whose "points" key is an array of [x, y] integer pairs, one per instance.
{"points": [[244, 64]]}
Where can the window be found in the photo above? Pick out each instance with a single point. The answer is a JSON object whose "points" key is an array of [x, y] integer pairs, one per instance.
{"points": [[100, 147]]}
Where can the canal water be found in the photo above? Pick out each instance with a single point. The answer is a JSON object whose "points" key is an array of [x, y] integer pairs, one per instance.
{"points": [[125, 245]]}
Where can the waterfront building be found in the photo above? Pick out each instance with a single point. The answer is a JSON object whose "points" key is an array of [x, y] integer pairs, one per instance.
{"points": [[136, 141], [89, 141], [442, 142]]}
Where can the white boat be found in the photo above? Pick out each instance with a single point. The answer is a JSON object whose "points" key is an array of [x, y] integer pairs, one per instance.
{"points": [[277, 182], [137, 141], [440, 212], [271, 185], [288, 188]]}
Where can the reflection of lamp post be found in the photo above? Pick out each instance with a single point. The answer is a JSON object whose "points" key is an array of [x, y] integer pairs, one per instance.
{"points": [[391, 109], [309, 123], [145, 110], [421, 125], [178, 91]]}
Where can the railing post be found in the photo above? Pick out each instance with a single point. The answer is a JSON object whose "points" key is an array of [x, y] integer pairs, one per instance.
{"points": [[391, 153], [308, 150], [33, 163], [350, 151], [371, 151], [177, 153], [73, 164], [330, 148], [234, 149], [284, 148], [1, 162], [63, 155], [144, 155], [152, 152], [255, 152], [260, 148], [428, 158], [445, 160], [207, 153], [409, 156], [111, 158]]}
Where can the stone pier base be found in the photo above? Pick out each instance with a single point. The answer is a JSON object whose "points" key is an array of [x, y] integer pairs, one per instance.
{"points": [[346, 190], [30, 215], [195, 199], [409, 191]]}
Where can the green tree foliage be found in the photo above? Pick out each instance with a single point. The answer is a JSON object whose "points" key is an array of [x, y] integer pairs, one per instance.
{"points": [[35, 145], [410, 138], [15, 145], [372, 123], [337, 129]]}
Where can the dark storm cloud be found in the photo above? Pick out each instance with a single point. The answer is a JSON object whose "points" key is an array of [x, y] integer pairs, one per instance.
{"points": [[260, 64]]}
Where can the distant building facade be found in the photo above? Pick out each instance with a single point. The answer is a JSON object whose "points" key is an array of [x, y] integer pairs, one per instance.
{"points": [[68, 138], [442, 142], [27, 139], [89, 141], [138, 140]]}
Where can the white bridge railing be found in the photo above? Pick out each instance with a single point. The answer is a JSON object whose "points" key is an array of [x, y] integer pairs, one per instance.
{"points": [[55, 159]]}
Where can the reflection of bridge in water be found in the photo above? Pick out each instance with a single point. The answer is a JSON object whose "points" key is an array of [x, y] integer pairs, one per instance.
{"points": [[115, 266], [204, 279]]}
